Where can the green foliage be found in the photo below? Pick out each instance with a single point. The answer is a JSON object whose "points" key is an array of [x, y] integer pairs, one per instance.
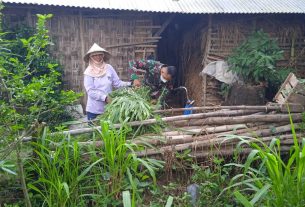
{"points": [[212, 180], [129, 105], [275, 182], [56, 176], [224, 90], [7, 167], [172, 194], [61, 173], [30, 86], [121, 168], [255, 59]]}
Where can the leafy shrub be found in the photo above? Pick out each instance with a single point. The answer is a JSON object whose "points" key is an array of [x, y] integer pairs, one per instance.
{"points": [[29, 85], [255, 59], [22, 46]]}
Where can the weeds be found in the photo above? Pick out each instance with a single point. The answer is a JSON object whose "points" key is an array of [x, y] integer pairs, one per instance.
{"points": [[56, 175], [275, 182], [121, 167]]}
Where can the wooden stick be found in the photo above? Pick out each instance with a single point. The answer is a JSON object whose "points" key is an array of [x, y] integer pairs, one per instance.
{"points": [[193, 145], [243, 119], [285, 140], [165, 119], [202, 130], [266, 108], [229, 152], [164, 25], [131, 44]]}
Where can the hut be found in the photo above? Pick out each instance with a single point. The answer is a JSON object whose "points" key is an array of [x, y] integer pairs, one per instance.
{"points": [[186, 33]]}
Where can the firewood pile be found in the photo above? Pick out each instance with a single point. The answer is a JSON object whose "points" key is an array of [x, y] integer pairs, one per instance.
{"points": [[207, 133]]}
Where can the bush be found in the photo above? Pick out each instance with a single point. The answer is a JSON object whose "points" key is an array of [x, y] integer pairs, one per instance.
{"points": [[30, 85], [255, 59]]}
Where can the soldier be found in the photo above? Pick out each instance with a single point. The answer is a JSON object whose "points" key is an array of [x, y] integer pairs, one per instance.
{"points": [[159, 77]]}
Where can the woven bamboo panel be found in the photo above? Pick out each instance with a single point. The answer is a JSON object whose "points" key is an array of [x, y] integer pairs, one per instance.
{"points": [[105, 30], [290, 36], [226, 34]]}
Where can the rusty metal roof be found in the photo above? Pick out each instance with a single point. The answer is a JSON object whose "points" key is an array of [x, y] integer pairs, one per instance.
{"points": [[180, 6]]}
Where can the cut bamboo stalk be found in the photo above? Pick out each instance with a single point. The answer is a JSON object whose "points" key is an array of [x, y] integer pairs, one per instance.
{"points": [[285, 140], [196, 144], [182, 138], [243, 119], [229, 152], [164, 119], [131, 44], [293, 108], [202, 130]]}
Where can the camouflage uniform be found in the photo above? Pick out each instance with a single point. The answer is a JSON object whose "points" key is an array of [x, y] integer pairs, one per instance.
{"points": [[151, 77]]}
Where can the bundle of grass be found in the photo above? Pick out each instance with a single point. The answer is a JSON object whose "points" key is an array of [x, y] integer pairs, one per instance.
{"points": [[131, 104]]}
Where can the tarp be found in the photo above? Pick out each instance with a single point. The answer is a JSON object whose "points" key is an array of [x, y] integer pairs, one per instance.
{"points": [[220, 71]]}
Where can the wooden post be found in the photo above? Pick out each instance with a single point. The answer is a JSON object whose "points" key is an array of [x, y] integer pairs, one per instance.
{"points": [[204, 61], [82, 43], [164, 25], [28, 17]]}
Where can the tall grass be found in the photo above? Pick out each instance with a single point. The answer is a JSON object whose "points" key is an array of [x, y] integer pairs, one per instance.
{"points": [[122, 168], [61, 174], [56, 175], [276, 181]]}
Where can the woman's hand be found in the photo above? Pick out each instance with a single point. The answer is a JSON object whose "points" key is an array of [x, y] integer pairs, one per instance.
{"points": [[136, 83], [108, 100]]}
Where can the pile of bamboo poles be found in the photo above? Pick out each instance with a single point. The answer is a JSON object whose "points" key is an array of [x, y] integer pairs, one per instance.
{"points": [[206, 131]]}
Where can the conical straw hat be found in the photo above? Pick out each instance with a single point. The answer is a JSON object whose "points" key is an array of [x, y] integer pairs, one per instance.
{"points": [[96, 49]]}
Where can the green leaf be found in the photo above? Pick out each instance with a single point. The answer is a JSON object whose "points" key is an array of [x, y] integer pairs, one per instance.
{"points": [[85, 172], [242, 199], [169, 201], [126, 199], [258, 195]]}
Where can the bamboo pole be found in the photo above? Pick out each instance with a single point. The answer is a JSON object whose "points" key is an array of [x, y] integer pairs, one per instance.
{"points": [[131, 44], [202, 130], [214, 140], [229, 152], [164, 119], [266, 108], [242, 119]]}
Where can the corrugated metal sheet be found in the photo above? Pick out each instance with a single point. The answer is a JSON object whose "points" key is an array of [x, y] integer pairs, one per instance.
{"points": [[181, 6]]}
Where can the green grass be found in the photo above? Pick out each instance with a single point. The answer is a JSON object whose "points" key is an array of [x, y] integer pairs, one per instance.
{"points": [[276, 181]]}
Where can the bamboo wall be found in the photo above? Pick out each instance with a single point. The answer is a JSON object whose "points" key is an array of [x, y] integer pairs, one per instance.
{"points": [[74, 31], [220, 35]]}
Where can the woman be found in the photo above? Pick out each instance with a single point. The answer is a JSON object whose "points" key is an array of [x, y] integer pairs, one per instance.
{"points": [[99, 80]]}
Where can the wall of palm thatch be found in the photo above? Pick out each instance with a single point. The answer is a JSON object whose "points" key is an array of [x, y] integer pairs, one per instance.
{"points": [[217, 35], [73, 31]]}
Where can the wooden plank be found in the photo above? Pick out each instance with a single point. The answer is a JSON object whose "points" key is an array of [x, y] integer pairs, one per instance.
{"points": [[293, 80], [282, 86], [132, 44], [296, 98], [158, 38], [149, 27], [164, 25], [148, 46], [82, 43]]}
